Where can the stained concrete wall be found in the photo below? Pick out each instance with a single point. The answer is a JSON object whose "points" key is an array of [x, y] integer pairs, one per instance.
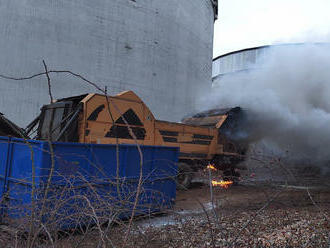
{"points": [[160, 49]]}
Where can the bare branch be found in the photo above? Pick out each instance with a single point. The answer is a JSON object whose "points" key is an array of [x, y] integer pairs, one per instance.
{"points": [[48, 81]]}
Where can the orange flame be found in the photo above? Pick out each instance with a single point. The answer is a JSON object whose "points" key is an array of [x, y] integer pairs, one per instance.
{"points": [[211, 167], [223, 184]]}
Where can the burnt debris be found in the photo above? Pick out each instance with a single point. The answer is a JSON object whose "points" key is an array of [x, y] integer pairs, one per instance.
{"points": [[10, 129]]}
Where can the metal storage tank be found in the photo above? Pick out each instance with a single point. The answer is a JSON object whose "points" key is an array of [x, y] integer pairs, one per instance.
{"points": [[160, 49], [250, 58], [236, 61]]}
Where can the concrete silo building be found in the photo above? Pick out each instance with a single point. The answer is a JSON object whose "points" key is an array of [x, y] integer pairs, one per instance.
{"points": [[160, 49]]}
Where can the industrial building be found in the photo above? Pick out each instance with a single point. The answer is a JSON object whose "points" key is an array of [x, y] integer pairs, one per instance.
{"points": [[237, 61], [160, 49], [241, 61]]}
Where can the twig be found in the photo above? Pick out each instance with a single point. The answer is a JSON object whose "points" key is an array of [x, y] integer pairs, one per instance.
{"points": [[208, 220], [48, 81], [98, 224], [48, 234], [140, 173], [78, 76], [211, 195], [53, 71], [256, 214], [49, 179], [22, 78], [317, 206], [117, 143]]}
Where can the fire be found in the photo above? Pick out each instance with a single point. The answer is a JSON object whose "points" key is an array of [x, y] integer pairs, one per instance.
{"points": [[211, 167], [223, 184]]}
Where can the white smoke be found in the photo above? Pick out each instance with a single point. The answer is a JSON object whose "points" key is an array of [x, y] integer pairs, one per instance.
{"points": [[287, 98]]}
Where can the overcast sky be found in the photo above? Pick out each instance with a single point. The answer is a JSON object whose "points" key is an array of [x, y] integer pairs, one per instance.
{"points": [[248, 23]]}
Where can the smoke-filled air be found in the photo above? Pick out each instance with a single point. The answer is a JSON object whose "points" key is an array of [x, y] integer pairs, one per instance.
{"points": [[286, 96]]}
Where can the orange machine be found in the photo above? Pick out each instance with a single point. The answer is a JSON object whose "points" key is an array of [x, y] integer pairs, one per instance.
{"points": [[93, 118]]}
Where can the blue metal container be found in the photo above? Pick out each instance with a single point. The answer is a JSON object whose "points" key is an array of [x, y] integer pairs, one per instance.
{"points": [[82, 176]]}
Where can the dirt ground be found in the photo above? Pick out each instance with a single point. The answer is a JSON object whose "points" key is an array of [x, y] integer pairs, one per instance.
{"points": [[253, 214], [250, 196]]}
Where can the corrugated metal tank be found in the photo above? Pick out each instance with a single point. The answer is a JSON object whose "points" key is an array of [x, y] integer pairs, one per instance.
{"points": [[252, 58], [238, 61], [160, 49]]}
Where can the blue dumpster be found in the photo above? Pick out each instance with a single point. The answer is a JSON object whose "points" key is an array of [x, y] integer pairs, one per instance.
{"points": [[76, 183]]}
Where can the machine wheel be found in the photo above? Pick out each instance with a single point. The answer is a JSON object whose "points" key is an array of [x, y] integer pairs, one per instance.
{"points": [[185, 175]]}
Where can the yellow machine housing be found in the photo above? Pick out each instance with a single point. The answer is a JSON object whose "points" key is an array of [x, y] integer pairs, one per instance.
{"points": [[97, 125], [125, 119]]}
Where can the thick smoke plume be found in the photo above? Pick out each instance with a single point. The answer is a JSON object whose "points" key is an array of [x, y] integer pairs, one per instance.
{"points": [[287, 100]]}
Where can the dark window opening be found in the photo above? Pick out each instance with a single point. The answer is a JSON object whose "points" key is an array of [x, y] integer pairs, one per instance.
{"points": [[95, 114], [122, 132], [170, 139], [131, 118]]}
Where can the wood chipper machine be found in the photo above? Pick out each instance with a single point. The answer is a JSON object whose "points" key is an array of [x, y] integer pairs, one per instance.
{"points": [[203, 138]]}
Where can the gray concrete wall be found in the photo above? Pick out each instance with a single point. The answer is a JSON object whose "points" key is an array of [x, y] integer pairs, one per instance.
{"points": [[161, 49]]}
